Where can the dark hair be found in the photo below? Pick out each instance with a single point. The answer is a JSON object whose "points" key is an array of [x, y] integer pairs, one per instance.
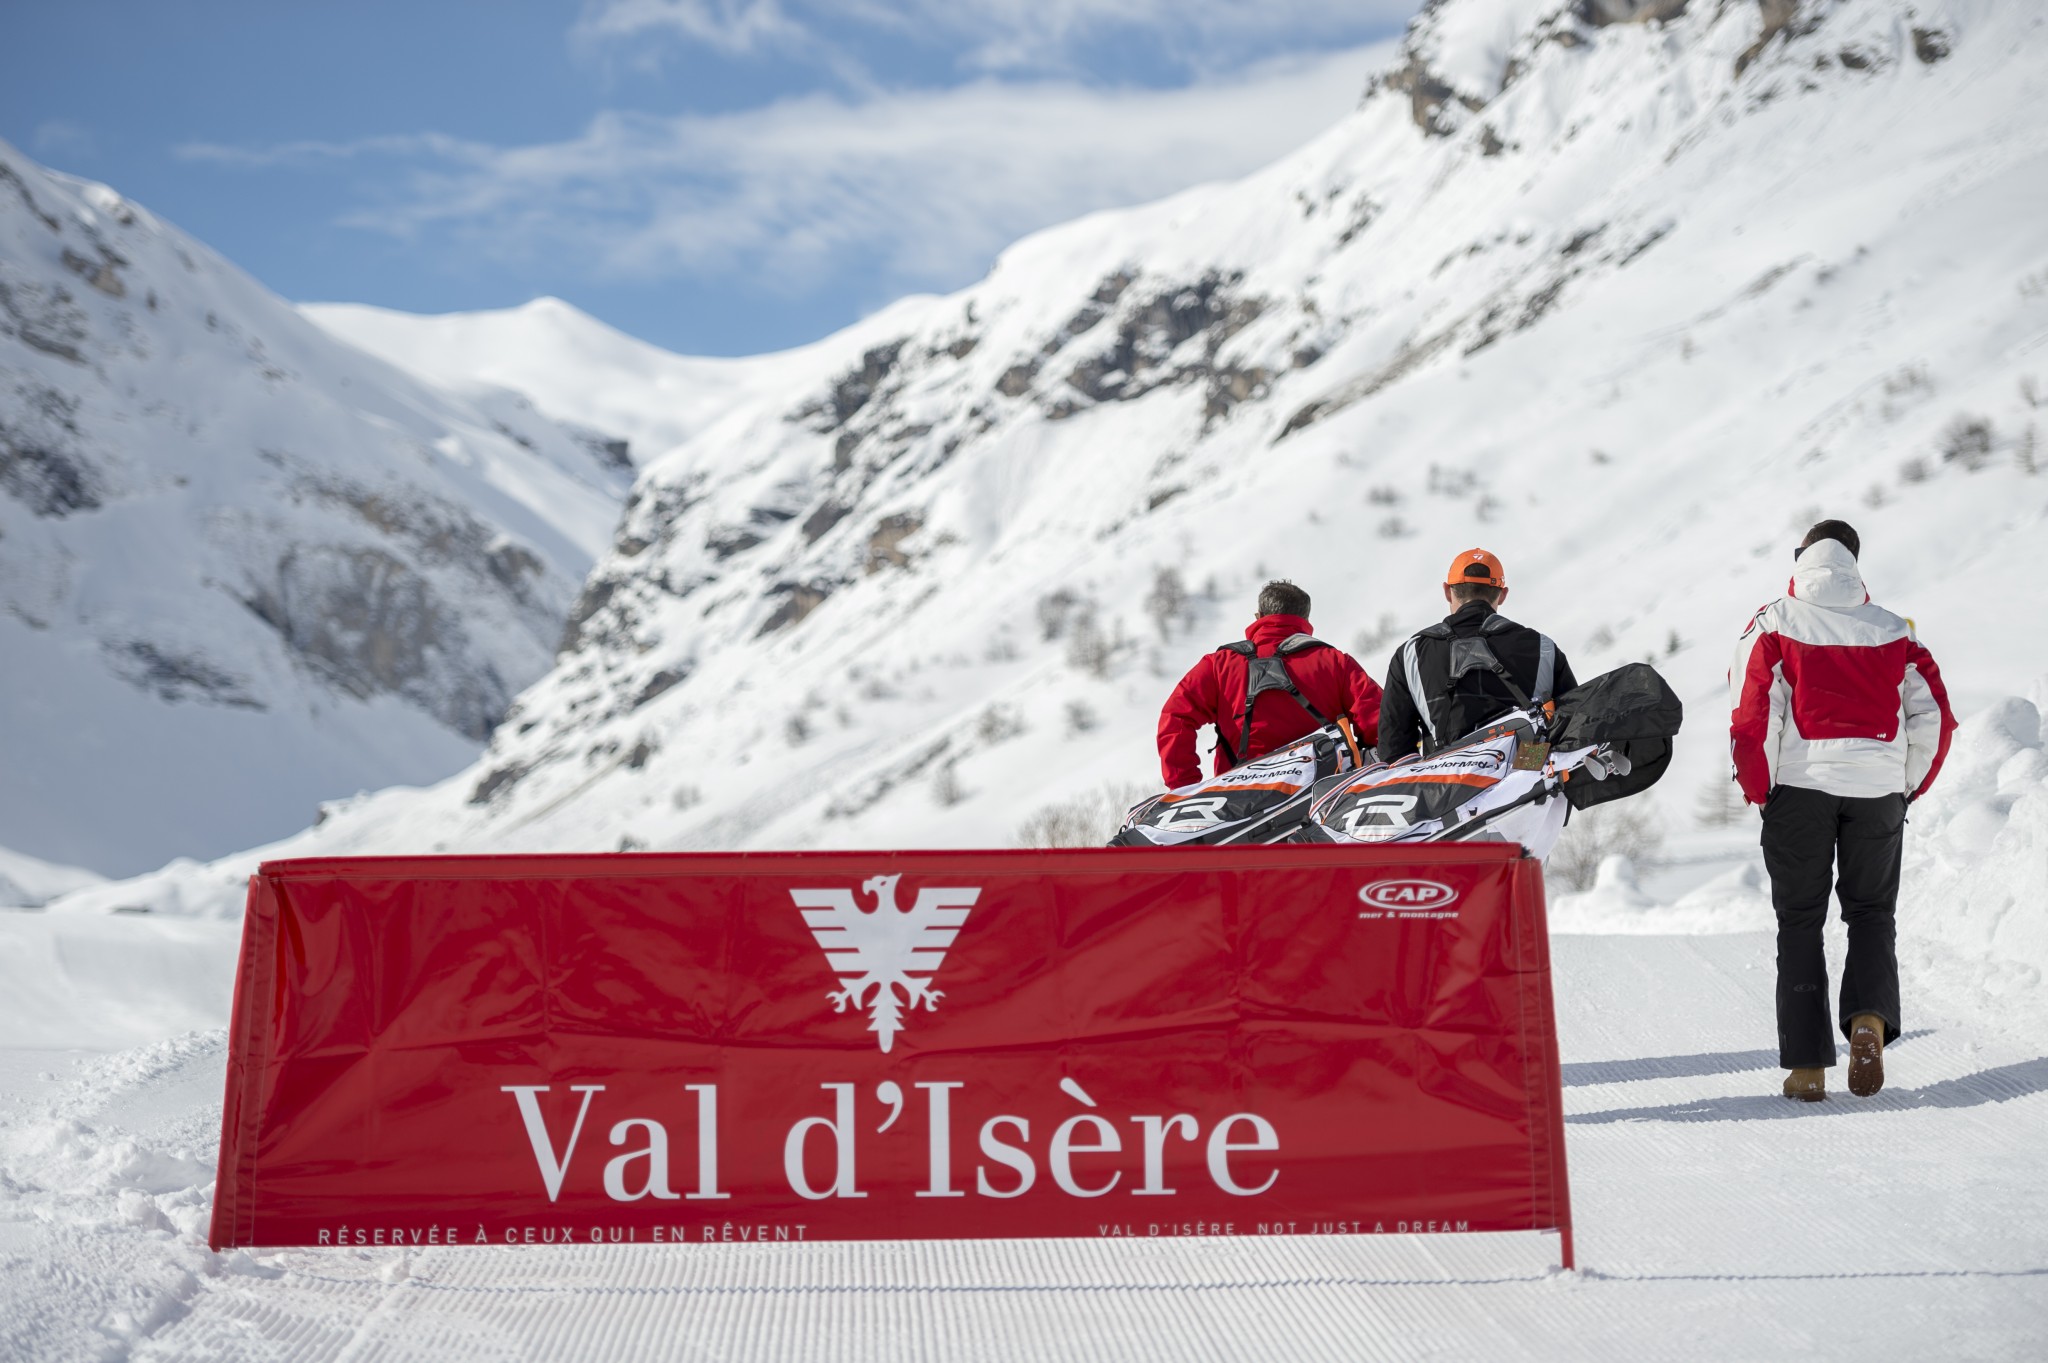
{"points": [[1840, 531], [1283, 598], [1462, 592]]}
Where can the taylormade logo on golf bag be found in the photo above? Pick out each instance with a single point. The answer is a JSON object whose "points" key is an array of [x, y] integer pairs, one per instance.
{"points": [[874, 952], [1408, 894], [1202, 811]]}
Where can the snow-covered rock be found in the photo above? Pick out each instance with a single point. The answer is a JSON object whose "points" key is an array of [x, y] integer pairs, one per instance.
{"points": [[1672, 283], [244, 566]]}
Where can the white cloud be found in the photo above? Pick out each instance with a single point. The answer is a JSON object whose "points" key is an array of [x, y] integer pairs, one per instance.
{"points": [[1001, 35], [59, 138], [427, 145], [920, 189], [728, 26]]}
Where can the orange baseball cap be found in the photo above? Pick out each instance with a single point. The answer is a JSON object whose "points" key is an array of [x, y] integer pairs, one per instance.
{"points": [[1476, 566]]}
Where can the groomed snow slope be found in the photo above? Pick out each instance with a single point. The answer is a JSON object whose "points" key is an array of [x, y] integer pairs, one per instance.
{"points": [[243, 566], [1715, 1220]]}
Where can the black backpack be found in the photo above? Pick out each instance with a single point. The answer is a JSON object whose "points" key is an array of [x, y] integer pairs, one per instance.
{"points": [[1263, 675], [1469, 654]]}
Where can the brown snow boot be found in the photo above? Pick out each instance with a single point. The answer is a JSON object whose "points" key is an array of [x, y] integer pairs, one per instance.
{"points": [[1866, 1054], [1808, 1085]]}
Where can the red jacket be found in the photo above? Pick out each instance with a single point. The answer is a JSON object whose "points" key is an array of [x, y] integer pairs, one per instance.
{"points": [[1213, 693], [1831, 693]]}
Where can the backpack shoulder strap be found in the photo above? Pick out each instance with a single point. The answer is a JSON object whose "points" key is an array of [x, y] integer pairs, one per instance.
{"points": [[1299, 643], [1471, 654], [1546, 660], [1411, 672], [1270, 674], [1246, 649], [1546, 668]]}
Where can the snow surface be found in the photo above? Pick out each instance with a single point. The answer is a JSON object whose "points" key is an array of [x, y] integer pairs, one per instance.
{"points": [[1715, 1220], [574, 367]]}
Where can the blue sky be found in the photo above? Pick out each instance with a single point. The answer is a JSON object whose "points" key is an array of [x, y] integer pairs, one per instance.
{"points": [[717, 176]]}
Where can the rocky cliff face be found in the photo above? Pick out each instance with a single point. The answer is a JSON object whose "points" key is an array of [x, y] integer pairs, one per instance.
{"points": [[1649, 290], [242, 565]]}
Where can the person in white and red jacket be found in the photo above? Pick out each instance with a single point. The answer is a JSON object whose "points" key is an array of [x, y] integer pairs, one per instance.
{"points": [[1840, 721]]}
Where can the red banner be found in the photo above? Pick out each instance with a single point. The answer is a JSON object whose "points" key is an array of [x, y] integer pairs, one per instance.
{"points": [[827, 1046]]}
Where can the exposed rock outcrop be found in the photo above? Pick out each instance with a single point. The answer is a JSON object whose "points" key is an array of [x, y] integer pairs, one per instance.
{"points": [[367, 623], [221, 507], [1600, 13]]}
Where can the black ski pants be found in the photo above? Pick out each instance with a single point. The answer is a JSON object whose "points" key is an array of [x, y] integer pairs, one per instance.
{"points": [[1814, 842]]}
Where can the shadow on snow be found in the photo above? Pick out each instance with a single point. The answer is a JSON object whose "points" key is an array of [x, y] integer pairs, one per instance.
{"points": [[1690, 1066], [1998, 1085]]}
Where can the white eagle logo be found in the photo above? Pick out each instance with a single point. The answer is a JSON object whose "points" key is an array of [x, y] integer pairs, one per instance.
{"points": [[874, 952]]}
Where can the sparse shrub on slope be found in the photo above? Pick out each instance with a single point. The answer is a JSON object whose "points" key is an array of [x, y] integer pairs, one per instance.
{"points": [[1593, 835], [1719, 803], [1054, 610], [1167, 603], [997, 724], [1369, 643], [1967, 441], [1089, 819], [1089, 649]]}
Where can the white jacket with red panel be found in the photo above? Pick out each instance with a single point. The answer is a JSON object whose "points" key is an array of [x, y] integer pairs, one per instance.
{"points": [[1833, 693]]}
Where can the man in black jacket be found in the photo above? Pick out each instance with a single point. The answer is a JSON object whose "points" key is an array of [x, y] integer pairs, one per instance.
{"points": [[1468, 671]]}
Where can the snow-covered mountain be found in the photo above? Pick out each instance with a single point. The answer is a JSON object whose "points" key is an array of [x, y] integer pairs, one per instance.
{"points": [[244, 566], [29, 882], [1628, 292], [572, 366]]}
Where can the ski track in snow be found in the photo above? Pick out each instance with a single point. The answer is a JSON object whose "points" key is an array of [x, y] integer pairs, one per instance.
{"points": [[1715, 1220]]}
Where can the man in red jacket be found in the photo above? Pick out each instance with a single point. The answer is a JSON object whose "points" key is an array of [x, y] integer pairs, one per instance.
{"points": [[1329, 683], [1839, 721]]}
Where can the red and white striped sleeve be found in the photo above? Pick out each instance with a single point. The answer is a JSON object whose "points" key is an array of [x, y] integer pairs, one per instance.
{"points": [[1929, 721], [1759, 698]]}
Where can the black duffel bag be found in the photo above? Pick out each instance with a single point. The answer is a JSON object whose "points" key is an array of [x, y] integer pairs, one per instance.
{"points": [[1633, 711]]}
